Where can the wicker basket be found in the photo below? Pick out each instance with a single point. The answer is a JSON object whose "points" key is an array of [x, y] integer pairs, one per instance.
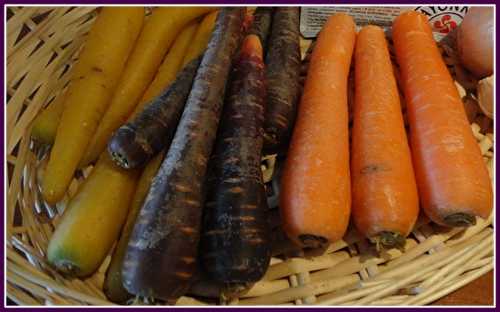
{"points": [[42, 43]]}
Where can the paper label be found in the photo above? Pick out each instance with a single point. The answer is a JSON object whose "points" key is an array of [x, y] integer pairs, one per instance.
{"points": [[443, 19]]}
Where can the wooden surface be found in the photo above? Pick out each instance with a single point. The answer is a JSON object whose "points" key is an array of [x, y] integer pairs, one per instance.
{"points": [[478, 292]]}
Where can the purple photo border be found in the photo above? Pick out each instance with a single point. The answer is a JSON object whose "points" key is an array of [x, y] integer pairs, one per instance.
{"points": [[249, 3], [217, 2]]}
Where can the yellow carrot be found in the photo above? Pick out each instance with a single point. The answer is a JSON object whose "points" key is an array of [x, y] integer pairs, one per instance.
{"points": [[45, 124], [175, 60], [201, 38], [94, 79], [170, 66], [110, 42], [113, 286], [93, 219], [154, 41]]}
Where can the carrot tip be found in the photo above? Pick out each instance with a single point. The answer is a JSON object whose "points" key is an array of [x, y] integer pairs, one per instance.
{"points": [[120, 160], [313, 241], [388, 239], [67, 267], [130, 155], [233, 291], [252, 46], [460, 220]]}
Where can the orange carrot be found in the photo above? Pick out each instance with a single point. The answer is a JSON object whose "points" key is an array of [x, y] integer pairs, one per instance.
{"points": [[452, 179], [315, 196], [384, 191]]}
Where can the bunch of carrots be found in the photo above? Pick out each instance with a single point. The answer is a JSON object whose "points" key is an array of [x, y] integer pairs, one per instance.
{"points": [[152, 132], [175, 112], [379, 176]]}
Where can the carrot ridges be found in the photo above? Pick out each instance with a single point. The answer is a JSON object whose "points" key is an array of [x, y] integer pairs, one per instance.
{"points": [[167, 230], [235, 240], [384, 190], [136, 142], [453, 182], [315, 193], [282, 76], [261, 24]]}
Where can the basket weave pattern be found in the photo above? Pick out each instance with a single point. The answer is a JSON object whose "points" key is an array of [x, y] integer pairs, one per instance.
{"points": [[42, 43]]}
